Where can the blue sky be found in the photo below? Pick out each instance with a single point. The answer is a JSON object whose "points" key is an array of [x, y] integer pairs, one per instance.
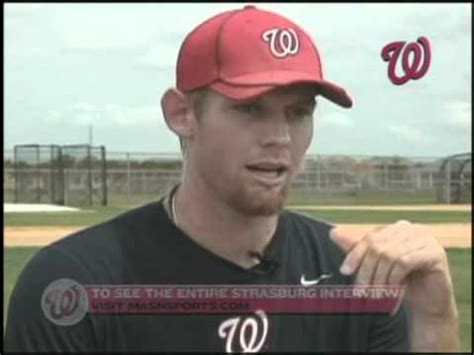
{"points": [[70, 65]]}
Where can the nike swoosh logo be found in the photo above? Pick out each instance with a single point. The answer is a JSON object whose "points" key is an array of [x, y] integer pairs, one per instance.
{"points": [[305, 282]]}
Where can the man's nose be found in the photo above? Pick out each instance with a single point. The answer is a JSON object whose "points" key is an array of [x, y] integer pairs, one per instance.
{"points": [[276, 132]]}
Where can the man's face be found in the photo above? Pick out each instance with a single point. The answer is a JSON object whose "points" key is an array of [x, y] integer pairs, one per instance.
{"points": [[247, 152]]}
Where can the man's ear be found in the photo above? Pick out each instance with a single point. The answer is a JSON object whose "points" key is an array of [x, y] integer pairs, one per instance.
{"points": [[177, 112]]}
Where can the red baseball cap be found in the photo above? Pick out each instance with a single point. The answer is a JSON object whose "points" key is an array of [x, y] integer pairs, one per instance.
{"points": [[247, 52]]}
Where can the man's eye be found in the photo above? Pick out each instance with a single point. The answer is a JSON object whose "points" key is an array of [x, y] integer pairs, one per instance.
{"points": [[299, 112], [247, 108]]}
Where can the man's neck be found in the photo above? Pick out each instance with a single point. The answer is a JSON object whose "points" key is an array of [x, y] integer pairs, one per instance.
{"points": [[217, 227]]}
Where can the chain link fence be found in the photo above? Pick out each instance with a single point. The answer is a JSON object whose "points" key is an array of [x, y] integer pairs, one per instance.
{"points": [[137, 178], [64, 175], [37, 171], [134, 178], [455, 179], [84, 175]]}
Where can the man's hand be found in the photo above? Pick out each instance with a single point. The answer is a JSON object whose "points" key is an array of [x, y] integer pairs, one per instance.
{"points": [[407, 254]]}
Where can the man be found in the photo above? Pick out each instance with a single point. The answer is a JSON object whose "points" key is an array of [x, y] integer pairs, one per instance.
{"points": [[243, 110]]}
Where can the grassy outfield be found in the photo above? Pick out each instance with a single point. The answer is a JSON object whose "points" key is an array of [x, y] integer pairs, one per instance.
{"points": [[371, 216], [460, 264], [311, 196], [459, 259], [349, 197], [82, 218], [99, 214]]}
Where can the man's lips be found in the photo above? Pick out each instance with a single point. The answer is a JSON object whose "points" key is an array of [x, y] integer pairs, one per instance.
{"points": [[268, 166], [268, 172]]}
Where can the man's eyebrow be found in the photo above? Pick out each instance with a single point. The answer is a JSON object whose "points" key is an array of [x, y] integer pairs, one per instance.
{"points": [[306, 102], [253, 100], [310, 101]]}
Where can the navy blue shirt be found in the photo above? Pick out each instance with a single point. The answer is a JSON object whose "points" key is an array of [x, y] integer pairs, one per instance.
{"points": [[143, 246]]}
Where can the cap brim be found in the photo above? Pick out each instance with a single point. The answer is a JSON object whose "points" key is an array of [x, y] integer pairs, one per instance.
{"points": [[240, 91]]}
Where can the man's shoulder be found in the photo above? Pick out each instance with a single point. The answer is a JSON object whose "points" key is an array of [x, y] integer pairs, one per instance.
{"points": [[97, 251], [104, 234], [308, 224], [312, 235]]}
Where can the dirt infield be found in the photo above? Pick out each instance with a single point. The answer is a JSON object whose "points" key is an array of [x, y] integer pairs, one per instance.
{"points": [[35, 236], [36, 207], [450, 235]]}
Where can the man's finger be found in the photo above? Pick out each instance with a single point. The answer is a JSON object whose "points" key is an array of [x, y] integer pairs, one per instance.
{"points": [[357, 244], [345, 238], [378, 242], [367, 267], [417, 259], [394, 250]]}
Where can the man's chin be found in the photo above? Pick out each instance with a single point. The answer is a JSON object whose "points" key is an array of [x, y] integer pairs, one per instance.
{"points": [[260, 204]]}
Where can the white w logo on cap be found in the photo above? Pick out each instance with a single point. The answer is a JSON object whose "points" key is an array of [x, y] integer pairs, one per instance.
{"points": [[288, 43]]}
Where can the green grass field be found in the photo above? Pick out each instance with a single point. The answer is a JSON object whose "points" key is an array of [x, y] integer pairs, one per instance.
{"points": [[82, 218], [297, 196], [460, 261], [328, 197], [371, 216], [99, 214]]}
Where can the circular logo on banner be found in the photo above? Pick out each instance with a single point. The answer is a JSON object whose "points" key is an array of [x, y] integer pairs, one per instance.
{"points": [[64, 302]]}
